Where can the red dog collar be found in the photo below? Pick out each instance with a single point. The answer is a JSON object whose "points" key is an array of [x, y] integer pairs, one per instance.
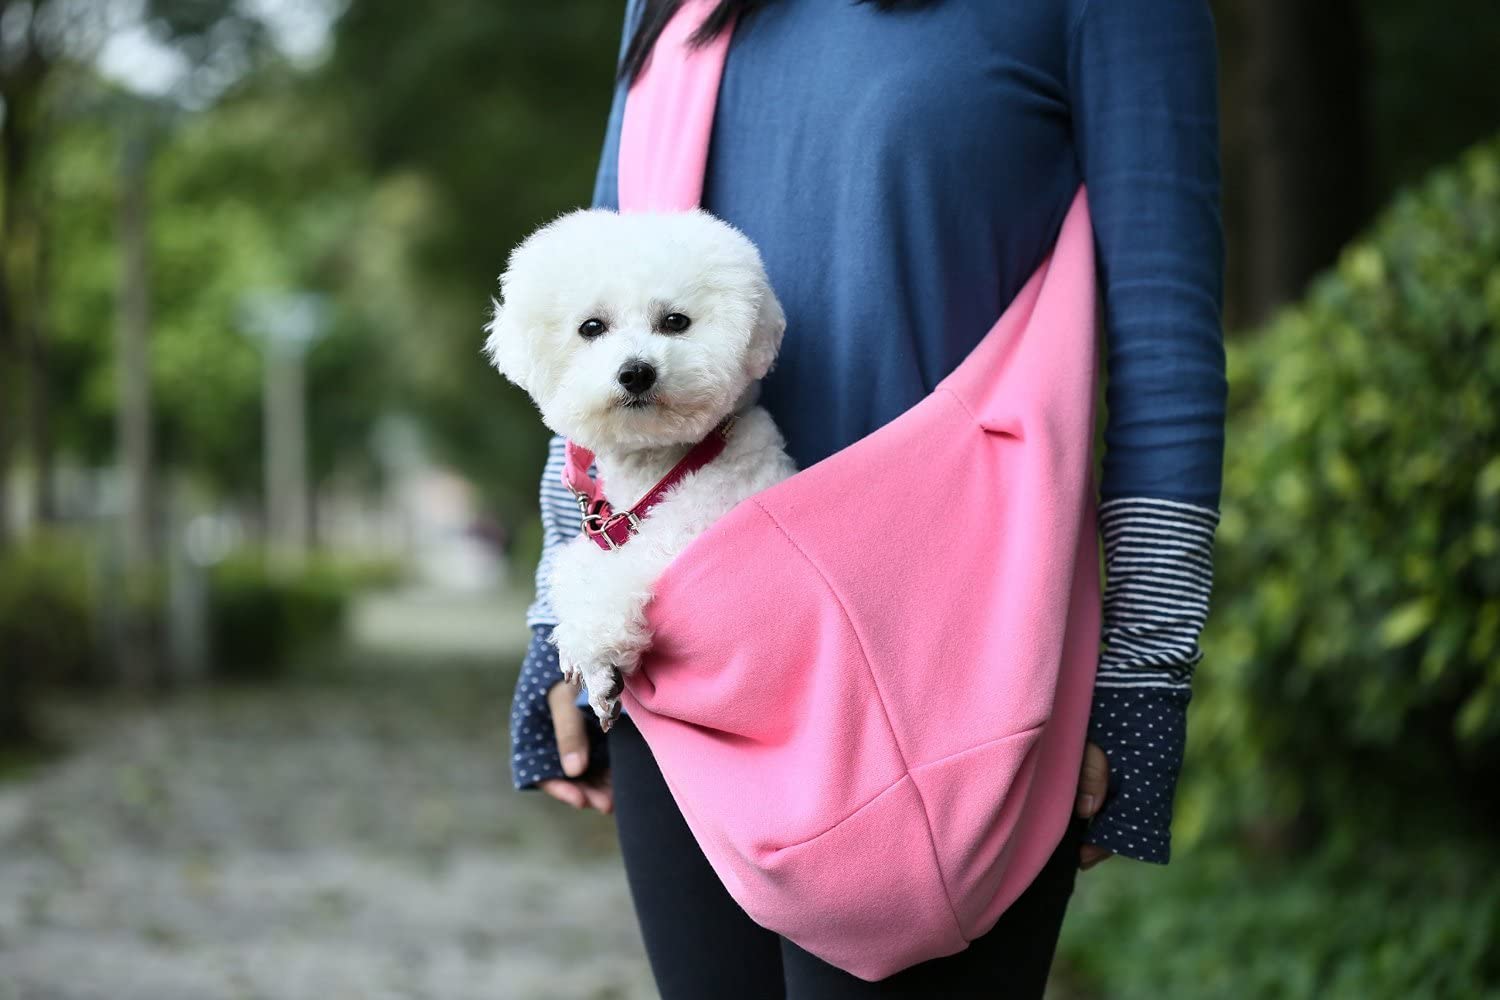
{"points": [[609, 528]]}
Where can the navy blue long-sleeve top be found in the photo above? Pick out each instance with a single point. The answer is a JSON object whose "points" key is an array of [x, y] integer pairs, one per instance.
{"points": [[904, 173]]}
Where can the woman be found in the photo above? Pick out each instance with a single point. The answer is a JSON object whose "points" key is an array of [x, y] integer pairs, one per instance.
{"points": [[904, 167]]}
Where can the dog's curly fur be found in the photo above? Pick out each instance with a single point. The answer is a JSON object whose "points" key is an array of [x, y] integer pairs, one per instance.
{"points": [[630, 272]]}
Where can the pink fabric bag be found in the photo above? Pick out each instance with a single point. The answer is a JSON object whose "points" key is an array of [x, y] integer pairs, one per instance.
{"points": [[870, 684]]}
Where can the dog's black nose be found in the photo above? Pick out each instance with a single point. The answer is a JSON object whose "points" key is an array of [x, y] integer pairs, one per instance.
{"points": [[636, 377]]}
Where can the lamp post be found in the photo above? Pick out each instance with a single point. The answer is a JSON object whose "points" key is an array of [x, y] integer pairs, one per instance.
{"points": [[286, 325]]}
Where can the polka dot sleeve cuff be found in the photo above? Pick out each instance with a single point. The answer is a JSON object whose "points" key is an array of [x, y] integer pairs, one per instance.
{"points": [[533, 746], [1142, 731], [1158, 558]]}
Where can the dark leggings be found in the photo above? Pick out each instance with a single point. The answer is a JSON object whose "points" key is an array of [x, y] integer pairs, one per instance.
{"points": [[701, 944]]}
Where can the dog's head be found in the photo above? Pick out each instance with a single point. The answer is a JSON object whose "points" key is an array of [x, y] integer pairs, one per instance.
{"points": [[635, 330]]}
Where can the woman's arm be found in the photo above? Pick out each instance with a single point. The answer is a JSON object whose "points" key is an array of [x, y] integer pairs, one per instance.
{"points": [[1144, 93], [534, 755]]}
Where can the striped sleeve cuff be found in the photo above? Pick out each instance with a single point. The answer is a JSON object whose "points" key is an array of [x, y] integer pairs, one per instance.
{"points": [[1158, 557], [560, 524]]}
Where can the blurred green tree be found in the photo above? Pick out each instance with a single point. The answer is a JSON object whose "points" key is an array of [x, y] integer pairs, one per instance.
{"points": [[493, 114], [30, 48], [396, 176]]}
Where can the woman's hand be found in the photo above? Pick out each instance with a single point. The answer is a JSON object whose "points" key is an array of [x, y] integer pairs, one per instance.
{"points": [[1093, 783], [568, 724]]}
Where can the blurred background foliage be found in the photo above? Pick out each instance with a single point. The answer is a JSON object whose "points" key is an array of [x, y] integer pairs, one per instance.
{"points": [[1339, 802]]}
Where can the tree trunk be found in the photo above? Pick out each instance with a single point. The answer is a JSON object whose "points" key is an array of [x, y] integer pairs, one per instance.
{"points": [[12, 159], [1295, 137], [20, 90], [8, 408], [39, 396]]}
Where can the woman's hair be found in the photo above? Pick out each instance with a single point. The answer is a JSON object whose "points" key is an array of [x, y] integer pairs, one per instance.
{"points": [[658, 12]]}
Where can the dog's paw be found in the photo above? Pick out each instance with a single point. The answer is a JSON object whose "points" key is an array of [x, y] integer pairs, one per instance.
{"points": [[604, 684], [575, 649]]}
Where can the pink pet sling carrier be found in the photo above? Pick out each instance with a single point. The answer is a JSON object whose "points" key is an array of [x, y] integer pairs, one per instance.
{"points": [[870, 684]]}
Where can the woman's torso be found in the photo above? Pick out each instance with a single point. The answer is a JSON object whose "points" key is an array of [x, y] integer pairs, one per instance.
{"points": [[904, 174]]}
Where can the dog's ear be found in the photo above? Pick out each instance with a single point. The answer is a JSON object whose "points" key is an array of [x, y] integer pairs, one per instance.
{"points": [[765, 338], [506, 346]]}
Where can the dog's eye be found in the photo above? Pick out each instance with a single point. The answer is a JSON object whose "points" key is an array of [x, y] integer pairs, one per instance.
{"points": [[675, 322], [591, 328]]}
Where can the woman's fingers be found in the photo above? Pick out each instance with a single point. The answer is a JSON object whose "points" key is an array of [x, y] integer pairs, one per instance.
{"points": [[565, 791], [1093, 781], [568, 726], [599, 793]]}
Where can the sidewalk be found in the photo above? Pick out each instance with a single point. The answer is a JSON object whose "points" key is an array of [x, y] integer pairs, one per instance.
{"points": [[349, 836]]}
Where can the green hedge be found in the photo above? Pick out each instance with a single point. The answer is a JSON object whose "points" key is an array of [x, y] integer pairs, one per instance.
{"points": [[1417, 925], [51, 603], [46, 629], [263, 620], [1355, 636], [1334, 828]]}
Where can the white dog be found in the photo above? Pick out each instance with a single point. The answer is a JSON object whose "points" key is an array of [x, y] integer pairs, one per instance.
{"points": [[637, 335]]}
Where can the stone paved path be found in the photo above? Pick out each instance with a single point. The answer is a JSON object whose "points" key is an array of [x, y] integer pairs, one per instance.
{"points": [[352, 836]]}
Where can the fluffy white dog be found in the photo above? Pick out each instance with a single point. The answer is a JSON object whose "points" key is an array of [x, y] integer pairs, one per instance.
{"points": [[637, 335]]}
